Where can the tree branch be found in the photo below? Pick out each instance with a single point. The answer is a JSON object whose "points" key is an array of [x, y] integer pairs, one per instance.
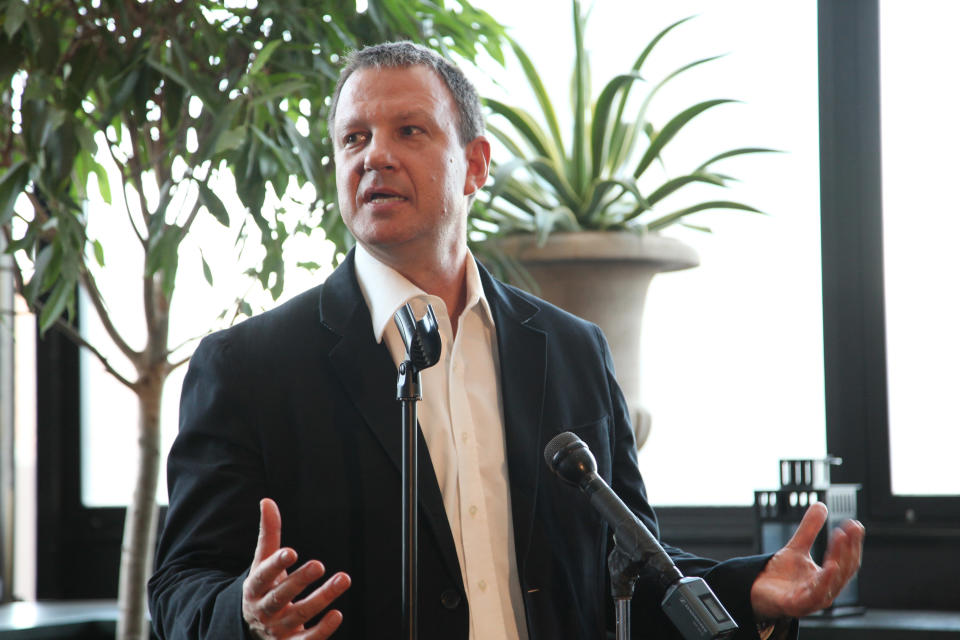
{"points": [[183, 344], [74, 336], [90, 285], [173, 365], [190, 217]]}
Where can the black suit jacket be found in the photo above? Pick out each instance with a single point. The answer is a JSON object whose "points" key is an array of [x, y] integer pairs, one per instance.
{"points": [[299, 404]]}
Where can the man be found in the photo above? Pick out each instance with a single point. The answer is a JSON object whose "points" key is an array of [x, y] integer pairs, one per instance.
{"points": [[295, 410]]}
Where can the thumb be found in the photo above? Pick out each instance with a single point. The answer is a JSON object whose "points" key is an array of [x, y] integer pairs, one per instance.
{"points": [[806, 534], [269, 539]]}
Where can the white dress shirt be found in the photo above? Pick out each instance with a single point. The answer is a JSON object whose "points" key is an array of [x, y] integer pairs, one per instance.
{"points": [[461, 417]]}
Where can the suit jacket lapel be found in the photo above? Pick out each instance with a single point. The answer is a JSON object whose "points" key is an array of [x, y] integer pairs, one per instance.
{"points": [[370, 379], [523, 359]]}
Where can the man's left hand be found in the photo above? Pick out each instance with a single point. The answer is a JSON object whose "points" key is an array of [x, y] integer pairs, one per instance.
{"points": [[792, 585]]}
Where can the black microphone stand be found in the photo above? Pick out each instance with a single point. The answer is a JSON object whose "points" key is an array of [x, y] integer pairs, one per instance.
{"points": [[623, 576], [422, 341], [689, 602]]}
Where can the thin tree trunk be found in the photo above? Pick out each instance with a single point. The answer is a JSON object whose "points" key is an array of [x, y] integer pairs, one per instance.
{"points": [[139, 531]]}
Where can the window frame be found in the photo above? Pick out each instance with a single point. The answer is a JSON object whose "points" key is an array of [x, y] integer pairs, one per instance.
{"points": [[855, 364]]}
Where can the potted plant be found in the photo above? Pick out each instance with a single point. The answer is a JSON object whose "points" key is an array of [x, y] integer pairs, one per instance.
{"points": [[576, 219], [172, 94]]}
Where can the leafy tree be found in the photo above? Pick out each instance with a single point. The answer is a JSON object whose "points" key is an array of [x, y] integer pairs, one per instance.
{"points": [[173, 91]]}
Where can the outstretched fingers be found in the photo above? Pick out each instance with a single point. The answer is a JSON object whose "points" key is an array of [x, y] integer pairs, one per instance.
{"points": [[269, 591], [843, 556], [840, 561], [811, 524], [309, 607], [268, 541], [280, 593], [325, 628]]}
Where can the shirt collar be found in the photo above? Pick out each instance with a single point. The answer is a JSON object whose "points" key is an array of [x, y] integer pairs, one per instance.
{"points": [[386, 290]]}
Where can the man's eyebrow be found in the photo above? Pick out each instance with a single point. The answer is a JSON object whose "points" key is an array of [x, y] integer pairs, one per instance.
{"points": [[414, 114], [406, 114], [343, 125]]}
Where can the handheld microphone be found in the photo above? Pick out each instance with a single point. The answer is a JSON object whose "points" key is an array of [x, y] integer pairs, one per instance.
{"points": [[689, 602]]}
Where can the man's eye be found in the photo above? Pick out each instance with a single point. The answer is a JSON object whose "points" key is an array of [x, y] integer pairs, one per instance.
{"points": [[410, 130], [352, 139]]}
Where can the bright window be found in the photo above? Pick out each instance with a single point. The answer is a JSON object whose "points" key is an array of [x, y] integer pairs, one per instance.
{"points": [[921, 224]]}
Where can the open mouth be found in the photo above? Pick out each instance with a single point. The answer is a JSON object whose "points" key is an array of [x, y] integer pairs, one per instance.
{"points": [[381, 195]]}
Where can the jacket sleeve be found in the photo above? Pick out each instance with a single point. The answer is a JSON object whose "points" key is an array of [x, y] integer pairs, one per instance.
{"points": [[215, 478]]}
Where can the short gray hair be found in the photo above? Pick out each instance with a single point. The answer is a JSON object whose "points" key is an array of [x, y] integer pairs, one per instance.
{"points": [[403, 54]]}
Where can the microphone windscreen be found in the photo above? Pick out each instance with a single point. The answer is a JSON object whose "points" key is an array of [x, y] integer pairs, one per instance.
{"points": [[557, 444]]}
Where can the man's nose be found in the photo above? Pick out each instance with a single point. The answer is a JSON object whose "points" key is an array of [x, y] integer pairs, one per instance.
{"points": [[379, 154]]}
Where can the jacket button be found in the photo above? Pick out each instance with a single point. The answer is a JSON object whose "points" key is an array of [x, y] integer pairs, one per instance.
{"points": [[450, 599]]}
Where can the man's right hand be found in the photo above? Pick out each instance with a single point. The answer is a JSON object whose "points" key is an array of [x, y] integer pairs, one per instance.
{"points": [[268, 591]]}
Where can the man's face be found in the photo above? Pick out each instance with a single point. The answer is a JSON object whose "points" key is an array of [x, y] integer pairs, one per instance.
{"points": [[403, 178]]}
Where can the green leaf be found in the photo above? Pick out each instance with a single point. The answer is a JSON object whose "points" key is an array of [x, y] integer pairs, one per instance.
{"points": [[281, 90], [14, 17], [213, 204], [263, 57], [642, 58], [121, 90], [59, 300], [539, 92], [601, 116], [528, 128], [87, 142], [162, 251], [671, 186], [400, 14], [98, 252], [732, 153], [208, 145], [12, 184], [207, 274], [670, 130], [103, 182], [548, 172], [33, 289], [581, 99], [505, 139], [674, 217], [230, 140], [599, 203], [625, 148], [54, 268]]}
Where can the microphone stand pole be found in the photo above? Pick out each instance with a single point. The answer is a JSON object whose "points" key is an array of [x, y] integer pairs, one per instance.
{"points": [[422, 341], [408, 393], [623, 575]]}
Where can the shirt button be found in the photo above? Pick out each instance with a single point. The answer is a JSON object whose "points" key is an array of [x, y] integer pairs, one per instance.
{"points": [[473, 509], [483, 585], [450, 599]]}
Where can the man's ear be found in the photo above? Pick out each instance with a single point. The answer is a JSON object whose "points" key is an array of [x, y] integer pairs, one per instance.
{"points": [[478, 165]]}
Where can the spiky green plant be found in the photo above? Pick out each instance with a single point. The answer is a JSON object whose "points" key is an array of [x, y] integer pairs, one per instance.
{"points": [[592, 183]]}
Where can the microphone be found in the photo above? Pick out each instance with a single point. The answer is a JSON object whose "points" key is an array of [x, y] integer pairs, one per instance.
{"points": [[689, 602], [420, 337]]}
